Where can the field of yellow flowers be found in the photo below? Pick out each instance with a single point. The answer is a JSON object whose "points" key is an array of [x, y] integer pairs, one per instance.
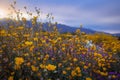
{"points": [[29, 53]]}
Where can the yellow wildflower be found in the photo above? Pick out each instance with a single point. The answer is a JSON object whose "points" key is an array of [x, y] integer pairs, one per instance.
{"points": [[68, 68], [78, 31], [1, 51], [64, 72], [28, 43], [34, 68], [31, 48], [43, 41], [104, 69], [11, 78], [3, 33], [36, 33], [16, 67], [78, 69], [46, 56], [63, 48], [19, 60], [38, 58], [104, 73], [73, 73], [26, 35], [88, 78], [12, 73], [50, 67], [20, 28], [75, 59], [42, 66], [85, 67], [28, 64], [113, 76], [35, 39], [80, 74], [11, 26], [60, 64]]}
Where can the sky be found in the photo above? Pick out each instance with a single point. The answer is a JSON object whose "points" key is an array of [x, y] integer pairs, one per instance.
{"points": [[100, 15]]}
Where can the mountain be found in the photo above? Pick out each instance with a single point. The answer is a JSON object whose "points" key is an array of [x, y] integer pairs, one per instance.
{"points": [[61, 28], [64, 28]]}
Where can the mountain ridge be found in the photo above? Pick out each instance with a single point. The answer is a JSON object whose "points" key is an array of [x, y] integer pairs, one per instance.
{"points": [[62, 28]]}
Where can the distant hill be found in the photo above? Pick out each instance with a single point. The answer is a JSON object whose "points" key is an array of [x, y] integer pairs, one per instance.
{"points": [[63, 28]]}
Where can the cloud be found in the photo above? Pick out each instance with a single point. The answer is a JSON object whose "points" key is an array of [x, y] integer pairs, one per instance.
{"points": [[105, 17]]}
